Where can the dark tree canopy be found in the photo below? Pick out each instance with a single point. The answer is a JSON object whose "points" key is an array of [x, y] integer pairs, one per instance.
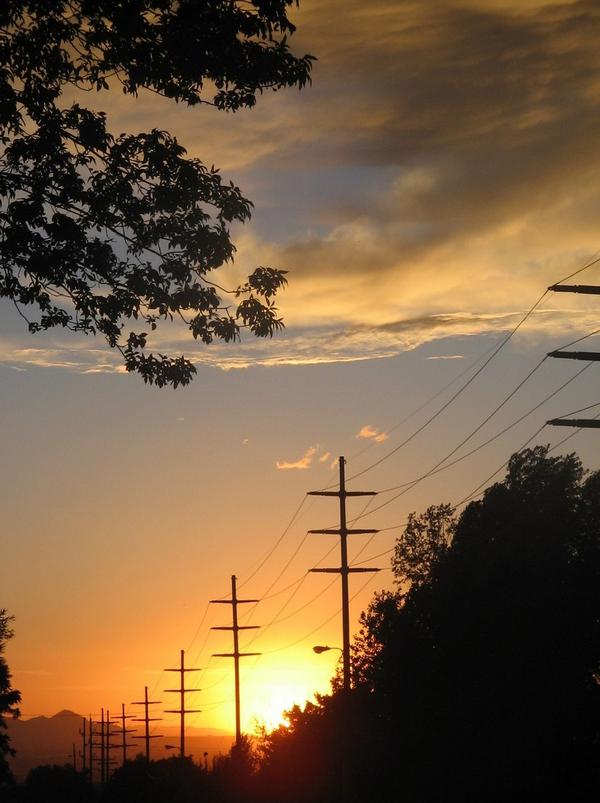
{"points": [[478, 679], [9, 699], [99, 233]]}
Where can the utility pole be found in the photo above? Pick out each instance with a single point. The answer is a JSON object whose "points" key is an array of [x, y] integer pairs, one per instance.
{"points": [[74, 757], [344, 569], [124, 731], [91, 749], [588, 356], [236, 654], [182, 691], [82, 733], [109, 746], [102, 748], [147, 719], [99, 744]]}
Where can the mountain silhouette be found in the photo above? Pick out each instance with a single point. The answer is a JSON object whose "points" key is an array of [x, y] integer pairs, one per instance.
{"points": [[49, 740]]}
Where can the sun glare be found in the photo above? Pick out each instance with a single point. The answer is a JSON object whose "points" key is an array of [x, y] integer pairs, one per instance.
{"points": [[270, 704]]}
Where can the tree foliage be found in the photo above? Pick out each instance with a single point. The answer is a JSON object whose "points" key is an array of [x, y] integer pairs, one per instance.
{"points": [[423, 543], [101, 232], [9, 699]]}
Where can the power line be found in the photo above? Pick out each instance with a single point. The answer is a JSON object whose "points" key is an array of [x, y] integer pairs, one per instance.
{"points": [[583, 409], [474, 493], [455, 396], [595, 259], [443, 466], [326, 622], [407, 486], [276, 544], [426, 403], [305, 605], [569, 436], [279, 576], [472, 378]]}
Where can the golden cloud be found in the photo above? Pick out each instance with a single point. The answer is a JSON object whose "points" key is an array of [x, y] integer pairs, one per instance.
{"points": [[370, 433], [302, 464]]}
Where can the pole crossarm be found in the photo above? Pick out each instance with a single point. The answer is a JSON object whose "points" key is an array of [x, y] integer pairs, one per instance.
{"points": [[346, 570], [580, 423], [346, 493], [588, 356], [185, 711], [236, 654], [178, 691], [588, 289], [229, 602], [238, 627], [331, 531]]}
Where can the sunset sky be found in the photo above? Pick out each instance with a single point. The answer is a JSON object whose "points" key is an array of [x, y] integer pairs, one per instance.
{"points": [[441, 171]]}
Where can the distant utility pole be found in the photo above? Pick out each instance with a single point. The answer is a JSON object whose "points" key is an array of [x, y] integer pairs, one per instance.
{"points": [[99, 744], [109, 746], [147, 719], [587, 356], [344, 570], [236, 654], [82, 733], [91, 750], [182, 691], [124, 731]]}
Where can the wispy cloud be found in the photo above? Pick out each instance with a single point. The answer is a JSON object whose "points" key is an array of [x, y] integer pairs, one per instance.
{"points": [[447, 357], [307, 345], [370, 433], [303, 463], [432, 204], [324, 457]]}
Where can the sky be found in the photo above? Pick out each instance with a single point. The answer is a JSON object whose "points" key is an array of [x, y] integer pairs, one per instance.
{"points": [[437, 176]]}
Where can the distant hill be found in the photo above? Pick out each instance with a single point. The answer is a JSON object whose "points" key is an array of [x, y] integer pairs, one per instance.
{"points": [[49, 740]]}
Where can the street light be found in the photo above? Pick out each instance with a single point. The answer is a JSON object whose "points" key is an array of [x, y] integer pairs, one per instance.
{"points": [[319, 648]]}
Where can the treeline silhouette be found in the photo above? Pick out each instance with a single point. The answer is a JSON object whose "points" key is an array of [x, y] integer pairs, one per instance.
{"points": [[476, 679]]}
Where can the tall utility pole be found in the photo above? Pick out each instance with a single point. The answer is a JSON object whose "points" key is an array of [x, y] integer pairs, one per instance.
{"points": [[182, 710], [236, 654], [587, 356], [124, 731], [147, 719], [344, 569]]}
